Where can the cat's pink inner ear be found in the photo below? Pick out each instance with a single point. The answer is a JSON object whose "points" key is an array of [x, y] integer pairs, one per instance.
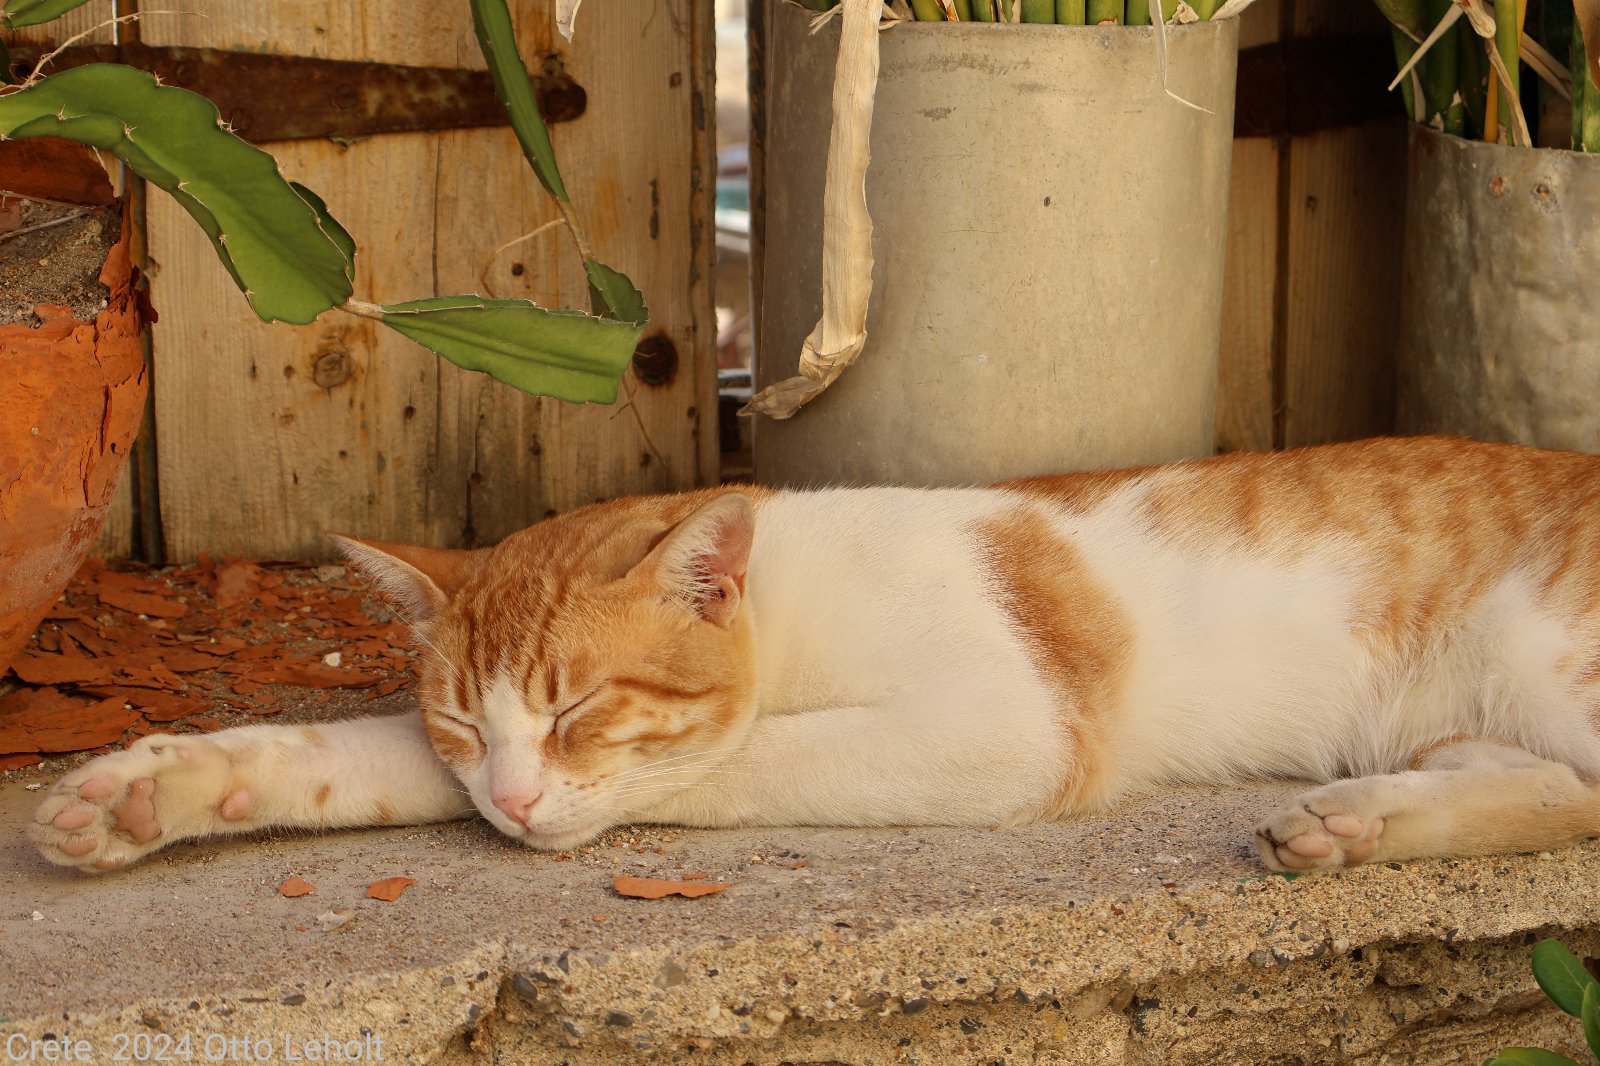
{"points": [[420, 580], [702, 561]]}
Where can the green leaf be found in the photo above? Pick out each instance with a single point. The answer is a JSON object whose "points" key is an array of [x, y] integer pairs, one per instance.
{"points": [[32, 12], [1530, 1056], [1591, 1017], [498, 42], [6, 77], [566, 354], [1561, 975], [277, 240], [612, 295]]}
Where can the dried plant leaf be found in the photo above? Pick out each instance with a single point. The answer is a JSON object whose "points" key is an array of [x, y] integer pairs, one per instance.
{"points": [[295, 887], [390, 888], [566, 12], [657, 888], [839, 336]]}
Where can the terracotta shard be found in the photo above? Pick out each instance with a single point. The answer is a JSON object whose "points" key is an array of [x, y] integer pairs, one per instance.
{"points": [[657, 888], [142, 603], [313, 675], [295, 887], [40, 668], [390, 888], [44, 720]]}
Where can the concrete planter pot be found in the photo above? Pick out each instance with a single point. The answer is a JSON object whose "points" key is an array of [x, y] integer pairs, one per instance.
{"points": [[1498, 317], [71, 400], [1048, 230]]}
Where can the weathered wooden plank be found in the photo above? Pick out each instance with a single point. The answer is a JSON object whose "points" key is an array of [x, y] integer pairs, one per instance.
{"points": [[1250, 288], [269, 435], [1249, 299], [1346, 214]]}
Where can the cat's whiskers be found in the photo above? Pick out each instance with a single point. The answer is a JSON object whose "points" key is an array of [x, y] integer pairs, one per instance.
{"points": [[636, 771]]}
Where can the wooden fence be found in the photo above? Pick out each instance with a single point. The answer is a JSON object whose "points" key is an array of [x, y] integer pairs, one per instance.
{"points": [[264, 436], [1313, 272]]}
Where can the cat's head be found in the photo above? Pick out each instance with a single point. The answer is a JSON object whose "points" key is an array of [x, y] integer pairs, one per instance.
{"points": [[587, 668]]}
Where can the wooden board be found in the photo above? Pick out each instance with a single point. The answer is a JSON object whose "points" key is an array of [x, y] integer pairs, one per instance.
{"points": [[1249, 294], [1249, 300], [1346, 215], [271, 434]]}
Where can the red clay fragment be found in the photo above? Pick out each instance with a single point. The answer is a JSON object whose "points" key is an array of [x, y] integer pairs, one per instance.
{"points": [[142, 603], [312, 675], [390, 888], [656, 888], [40, 668], [295, 887], [35, 720]]}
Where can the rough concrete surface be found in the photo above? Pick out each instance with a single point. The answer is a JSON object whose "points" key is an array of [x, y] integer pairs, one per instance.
{"points": [[1147, 936]]}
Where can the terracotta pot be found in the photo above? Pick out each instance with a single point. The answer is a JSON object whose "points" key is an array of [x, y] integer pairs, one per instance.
{"points": [[71, 398]]}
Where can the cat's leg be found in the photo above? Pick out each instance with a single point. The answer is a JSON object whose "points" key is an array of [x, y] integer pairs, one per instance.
{"points": [[1466, 797], [868, 766], [367, 771]]}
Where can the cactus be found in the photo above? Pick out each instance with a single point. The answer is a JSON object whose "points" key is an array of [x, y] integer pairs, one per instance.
{"points": [[32, 12], [291, 258]]}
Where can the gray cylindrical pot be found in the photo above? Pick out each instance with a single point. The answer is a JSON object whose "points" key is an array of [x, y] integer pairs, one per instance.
{"points": [[1499, 313], [1049, 232]]}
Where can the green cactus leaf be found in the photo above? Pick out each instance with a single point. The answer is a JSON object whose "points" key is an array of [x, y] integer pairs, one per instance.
{"points": [[498, 41], [612, 295], [566, 354], [1591, 1018], [32, 12], [277, 240], [1530, 1056], [1561, 975]]}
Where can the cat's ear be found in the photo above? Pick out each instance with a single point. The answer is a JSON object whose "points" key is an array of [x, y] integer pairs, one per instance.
{"points": [[421, 580], [701, 562]]}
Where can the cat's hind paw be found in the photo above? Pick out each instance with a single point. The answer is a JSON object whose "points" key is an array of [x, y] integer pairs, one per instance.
{"points": [[1318, 832], [120, 807]]}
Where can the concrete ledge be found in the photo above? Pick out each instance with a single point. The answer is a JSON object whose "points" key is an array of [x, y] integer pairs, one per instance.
{"points": [[1149, 937]]}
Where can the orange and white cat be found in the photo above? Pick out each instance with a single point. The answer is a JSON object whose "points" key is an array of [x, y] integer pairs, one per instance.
{"points": [[1415, 623]]}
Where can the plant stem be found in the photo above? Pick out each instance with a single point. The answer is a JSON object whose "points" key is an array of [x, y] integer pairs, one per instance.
{"points": [[1071, 12], [1441, 67], [1205, 8], [1137, 13], [1508, 41], [964, 10], [1039, 11], [983, 10], [1102, 12], [927, 10], [1585, 98], [571, 218], [1474, 82]]}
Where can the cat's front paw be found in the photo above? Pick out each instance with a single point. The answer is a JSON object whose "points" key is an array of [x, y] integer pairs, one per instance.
{"points": [[120, 807], [1323, 829]]}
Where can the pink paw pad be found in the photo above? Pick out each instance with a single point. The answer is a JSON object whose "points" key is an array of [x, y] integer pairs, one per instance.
{"points": [[77, 846], [136, 816], [98, 789], [1310, 846], [1344, 825], [77, 816]]}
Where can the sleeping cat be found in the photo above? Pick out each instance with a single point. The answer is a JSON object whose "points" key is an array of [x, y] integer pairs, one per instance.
{"points": [[1415, 623]]}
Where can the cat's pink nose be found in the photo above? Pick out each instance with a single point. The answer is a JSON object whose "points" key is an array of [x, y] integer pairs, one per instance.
{"points": [[517, 806]]}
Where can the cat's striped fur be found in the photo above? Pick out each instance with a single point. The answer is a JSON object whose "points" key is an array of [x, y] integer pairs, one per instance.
{"points": [[1415, 623]]}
